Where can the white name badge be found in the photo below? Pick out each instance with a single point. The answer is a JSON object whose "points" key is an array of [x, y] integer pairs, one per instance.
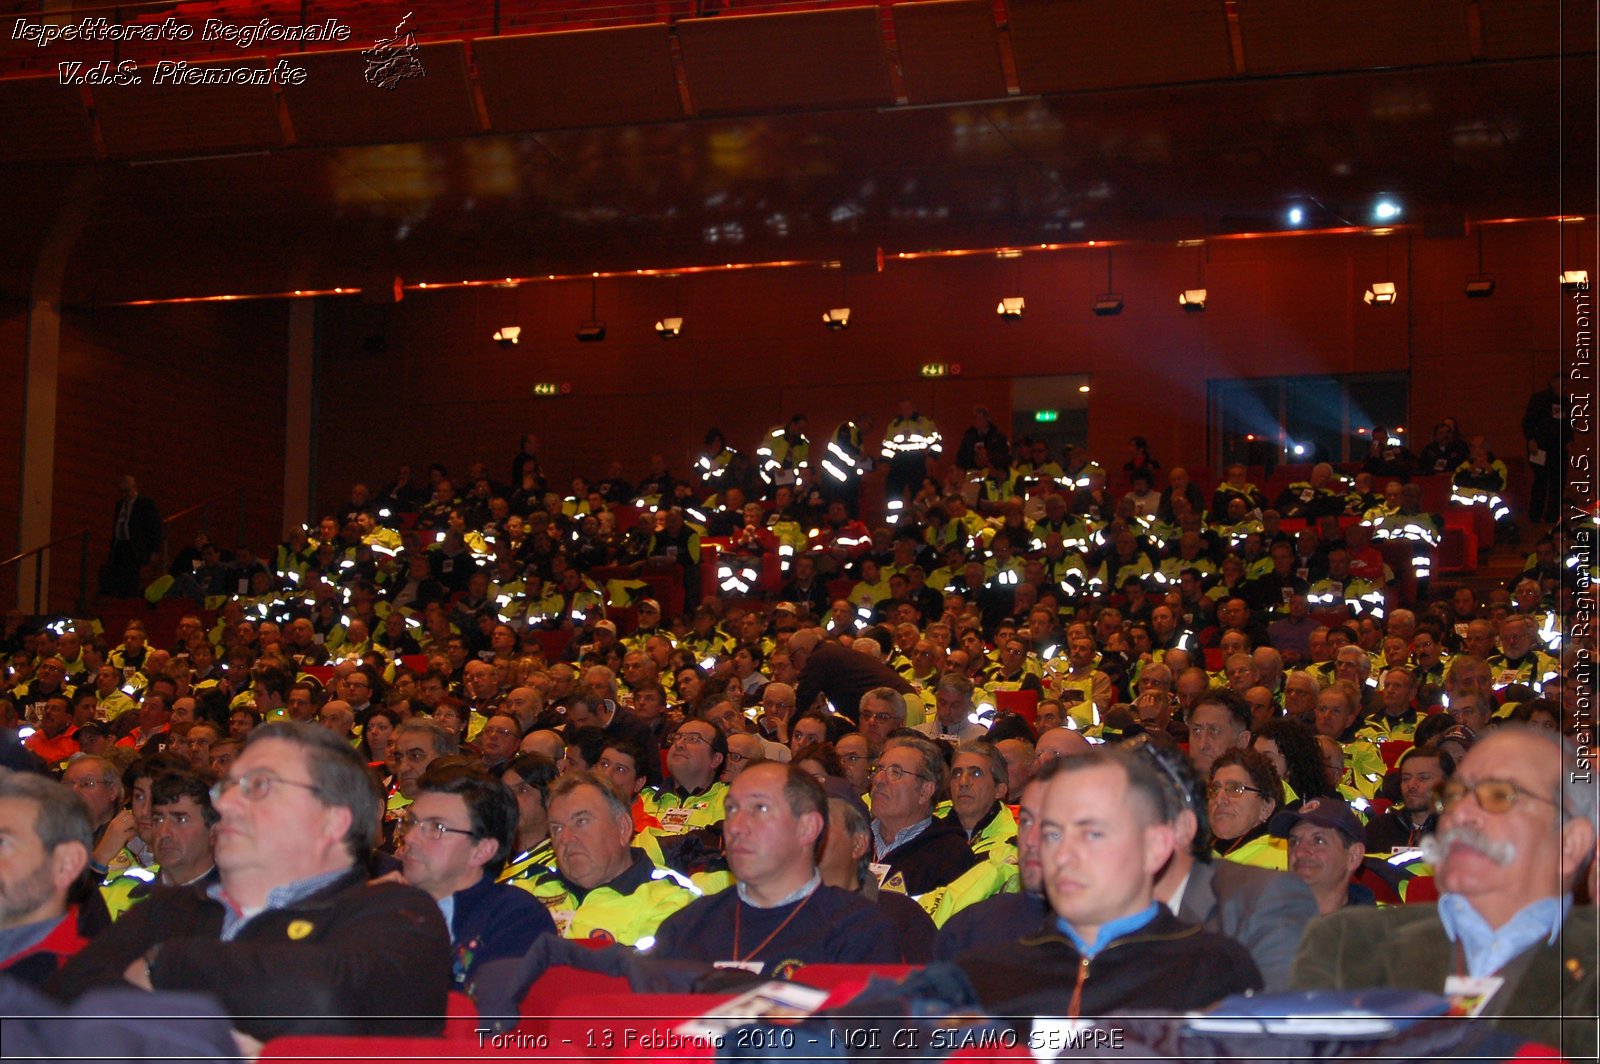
{"points": [[748, 966], [563, 920], [880, 870], [1468, 994], [674, 821]]}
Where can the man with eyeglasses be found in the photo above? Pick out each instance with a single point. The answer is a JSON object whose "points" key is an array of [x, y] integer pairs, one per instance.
{"points": [[914, 852], [693, 795], [292, 939], [1516, 824], [499, 740], [855, 752], [881, 710], [458, 835], [952, 723]]}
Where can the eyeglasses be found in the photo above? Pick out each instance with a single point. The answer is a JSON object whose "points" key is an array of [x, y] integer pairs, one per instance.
{"points": [[1493, 796], [881, 718], [895, 773], [255, 786], [430, 829], [504, 733], [88, 783], [850, 759], [1232, 790], [690, 738]]}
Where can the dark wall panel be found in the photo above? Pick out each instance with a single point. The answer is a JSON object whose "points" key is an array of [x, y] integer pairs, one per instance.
{"points": [[753, 349]]}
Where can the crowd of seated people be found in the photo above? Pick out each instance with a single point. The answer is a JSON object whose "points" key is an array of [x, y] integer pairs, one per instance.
{"points": [[465, 720]]}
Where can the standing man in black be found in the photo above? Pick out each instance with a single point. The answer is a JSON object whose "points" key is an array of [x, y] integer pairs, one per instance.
{"points": [[135, 536], [1542, 424]]}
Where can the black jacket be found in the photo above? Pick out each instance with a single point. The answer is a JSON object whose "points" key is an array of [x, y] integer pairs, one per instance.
{"points": [[930, 860], [843, 675], [350, 959], [1166, 965], [493, 920]]}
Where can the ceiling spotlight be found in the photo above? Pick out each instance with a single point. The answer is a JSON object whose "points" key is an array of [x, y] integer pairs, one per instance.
{"points": [[1574, 278], [1083, 387], [508, 335], [1297, 216], [1386, 210], [667, 328], [1010, 308], [1192, 300], [1381, 294], [1480, 286], [836, 318], [1108, 304], [591, 332]]}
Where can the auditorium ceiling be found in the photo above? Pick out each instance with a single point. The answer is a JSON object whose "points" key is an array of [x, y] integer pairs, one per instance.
{"points": [[824, 135]]}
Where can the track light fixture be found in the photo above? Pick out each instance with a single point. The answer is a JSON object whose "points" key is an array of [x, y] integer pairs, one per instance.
{"points": [[1381, 294], [1109, 303], [1480, 285], [593, 330], [508, 335]]}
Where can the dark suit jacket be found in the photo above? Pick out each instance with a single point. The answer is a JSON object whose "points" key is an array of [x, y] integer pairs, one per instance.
{"points": [[1549, 994], [144, 527], [1265, 911], [350, 959], [843, 675], [491, 921]]}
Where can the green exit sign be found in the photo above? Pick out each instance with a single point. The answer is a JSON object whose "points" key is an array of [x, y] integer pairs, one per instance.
{"points": [[934, 369], [1046, 415], [549, 389]]}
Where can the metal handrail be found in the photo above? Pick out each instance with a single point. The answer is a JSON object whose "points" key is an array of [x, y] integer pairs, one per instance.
{"points": [[38, 556], [39, 553]]}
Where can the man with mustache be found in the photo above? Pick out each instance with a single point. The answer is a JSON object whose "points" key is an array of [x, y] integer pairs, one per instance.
{"points": [[1516, 824]]}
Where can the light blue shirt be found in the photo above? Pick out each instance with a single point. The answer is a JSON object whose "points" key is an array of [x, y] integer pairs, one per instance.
{"points": [[884, 847], [806, 889], [234, 921], [447, 906], [1109, 931], [1487, 949]]}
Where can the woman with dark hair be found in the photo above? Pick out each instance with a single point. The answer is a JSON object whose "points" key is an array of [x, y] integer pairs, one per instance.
{"points": [[694, 693], [529, 776], [1291, 746], [1245, 791], [376, 731], [452, 715], [819, 760]]}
